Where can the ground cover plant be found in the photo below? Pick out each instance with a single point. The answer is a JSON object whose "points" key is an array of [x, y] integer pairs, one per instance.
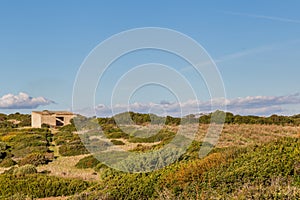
{"points": [[255, 158]]}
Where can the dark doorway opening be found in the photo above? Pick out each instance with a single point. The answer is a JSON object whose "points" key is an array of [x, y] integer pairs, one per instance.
{"points": [[59, 121]]}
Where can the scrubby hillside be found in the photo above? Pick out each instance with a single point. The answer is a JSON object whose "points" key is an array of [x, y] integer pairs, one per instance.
{"points": [[252, 160], [271, 171]]}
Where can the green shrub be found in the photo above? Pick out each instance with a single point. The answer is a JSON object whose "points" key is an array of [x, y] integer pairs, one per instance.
{"points": [[116, 135], [45, 126], [229, 173], [23, 170], [130, 186], [3, 146], [256, 165], [19, 196], [70, 143], [87, 162], [23, 119], [26, 141], [7, 162], [66, 136], [72, 150], [117, 142], [100, 167], [68, 128], [34, 159], [23, 152], [39, 186]]}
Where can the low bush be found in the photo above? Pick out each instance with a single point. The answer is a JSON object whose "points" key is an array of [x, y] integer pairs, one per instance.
{"points": [[68, 128], [7, 162], [129, 186], [270, 171], [72, 149], [69, 142], [100, 167], [3, 146], [23, 142], [24, 170], [256, 166], [117, 142], [64, 137], [34, 159], [45, 126], [116, 135], [39, 186], [87, 162], [23, 152]]}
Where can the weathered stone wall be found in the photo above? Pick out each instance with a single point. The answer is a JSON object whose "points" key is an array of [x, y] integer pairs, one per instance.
{"points": [[39, 118], [36, 120], [49, 119]]}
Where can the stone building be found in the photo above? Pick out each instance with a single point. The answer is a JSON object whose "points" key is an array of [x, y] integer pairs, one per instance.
{"points": [[52, 118]]}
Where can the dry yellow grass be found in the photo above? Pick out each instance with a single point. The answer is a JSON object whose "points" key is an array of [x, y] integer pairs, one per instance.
{"points": [[231, 135], [249, 134], [65, 167]]}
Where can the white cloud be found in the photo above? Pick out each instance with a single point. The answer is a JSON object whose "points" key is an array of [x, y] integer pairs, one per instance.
{"points": [[279, 19], [263, 111], [251, 105], [22, 101]]}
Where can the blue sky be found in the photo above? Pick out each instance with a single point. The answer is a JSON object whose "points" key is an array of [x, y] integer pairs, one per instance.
{"points": [[255, 44]]}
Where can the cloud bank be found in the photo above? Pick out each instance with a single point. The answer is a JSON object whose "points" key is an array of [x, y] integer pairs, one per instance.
{"points": [[251, 105], [22, 101]]}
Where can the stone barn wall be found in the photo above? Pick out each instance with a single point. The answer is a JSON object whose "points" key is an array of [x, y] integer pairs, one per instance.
{"points": [[52, 118]]}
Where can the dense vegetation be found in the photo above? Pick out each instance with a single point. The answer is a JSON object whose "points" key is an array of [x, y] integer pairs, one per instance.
{"points": [[139, 119], [87, 162], [14, 120], [35, 185], [257, 172], [249, 168], [70, 144], [25, 145]]}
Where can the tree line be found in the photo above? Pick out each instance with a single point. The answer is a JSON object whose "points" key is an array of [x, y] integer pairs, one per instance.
{"points": [[214, 117]]}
